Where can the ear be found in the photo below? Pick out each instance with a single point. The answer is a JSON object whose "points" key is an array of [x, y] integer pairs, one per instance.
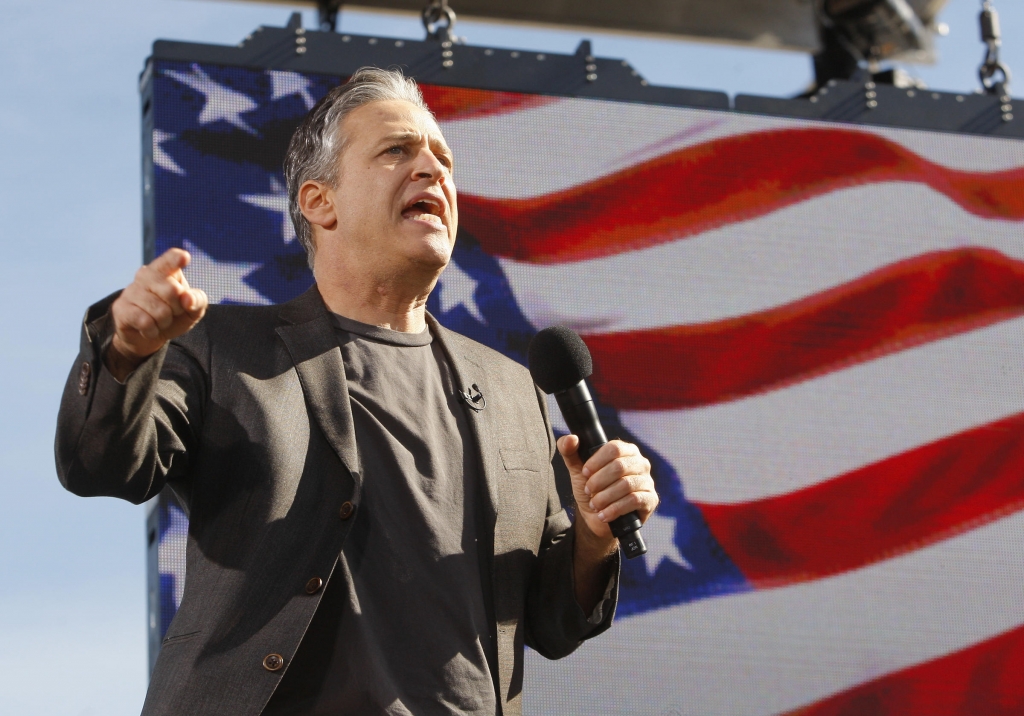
{"points": [[316, 202]]}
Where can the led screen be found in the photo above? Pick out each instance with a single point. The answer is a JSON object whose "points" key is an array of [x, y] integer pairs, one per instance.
{"points": [[814, 331]]}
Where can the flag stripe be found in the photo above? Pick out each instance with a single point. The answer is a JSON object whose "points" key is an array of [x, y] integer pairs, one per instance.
{"points": [[906, 304], [753, 266], [772, 651], [983, 680], [897, 505], [492, 161], [459, 103], [686, 192], [789, 439]]}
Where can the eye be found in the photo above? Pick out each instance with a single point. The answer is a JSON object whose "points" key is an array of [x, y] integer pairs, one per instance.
{"points": [[444, 159], [395, 150]]}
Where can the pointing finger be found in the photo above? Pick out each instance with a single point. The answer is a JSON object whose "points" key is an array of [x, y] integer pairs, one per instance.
{"points": [[170, 261]]}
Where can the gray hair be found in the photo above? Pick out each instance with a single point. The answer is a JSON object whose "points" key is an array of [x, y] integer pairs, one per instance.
{"points": [[316, 146]]}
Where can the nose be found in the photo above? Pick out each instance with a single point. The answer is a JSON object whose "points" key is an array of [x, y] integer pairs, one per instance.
{"points": [[428, 166]]}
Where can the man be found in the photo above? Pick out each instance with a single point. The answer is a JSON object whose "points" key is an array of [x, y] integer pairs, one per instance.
{"points": [[364, 536]]}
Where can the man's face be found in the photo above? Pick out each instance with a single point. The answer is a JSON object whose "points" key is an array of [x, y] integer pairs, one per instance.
{"points": [[395, 198]]}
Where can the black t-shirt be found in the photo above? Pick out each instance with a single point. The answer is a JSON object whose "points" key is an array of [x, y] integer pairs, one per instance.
{"points": [[403, 626]]}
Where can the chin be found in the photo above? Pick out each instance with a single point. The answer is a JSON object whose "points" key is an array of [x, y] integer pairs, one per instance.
{"points": [[433, 250], [431, 258]]}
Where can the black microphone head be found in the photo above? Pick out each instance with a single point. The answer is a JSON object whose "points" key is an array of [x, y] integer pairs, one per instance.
{"points": [[559, 359]]}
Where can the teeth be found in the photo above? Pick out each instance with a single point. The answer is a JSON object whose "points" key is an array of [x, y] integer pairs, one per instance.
{"points": [[428, 208], [430, 203]]}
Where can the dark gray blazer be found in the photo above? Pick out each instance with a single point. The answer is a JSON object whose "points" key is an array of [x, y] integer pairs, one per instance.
{"points": [[247, 419]]}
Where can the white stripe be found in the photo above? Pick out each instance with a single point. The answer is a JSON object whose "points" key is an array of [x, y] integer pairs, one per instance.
{"points": [[755, 265], [544, 149], [799, 436], [961, 152], [539, 150], [773, 651]]}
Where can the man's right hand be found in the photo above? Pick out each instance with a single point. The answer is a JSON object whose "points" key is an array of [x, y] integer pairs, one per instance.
{"points": [[158, 305]]}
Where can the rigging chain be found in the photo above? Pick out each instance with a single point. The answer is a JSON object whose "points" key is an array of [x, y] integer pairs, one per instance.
{"points": [[439, 21], [995, 76]]}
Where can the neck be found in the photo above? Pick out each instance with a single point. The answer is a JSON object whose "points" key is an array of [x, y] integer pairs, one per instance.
{"points": [[395, 300]]}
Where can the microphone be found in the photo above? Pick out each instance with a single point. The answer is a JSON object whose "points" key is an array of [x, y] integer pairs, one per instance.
{"points": [[560, 363], [473, 398]]}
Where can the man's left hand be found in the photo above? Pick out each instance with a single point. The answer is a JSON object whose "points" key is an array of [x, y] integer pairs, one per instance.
{"points": [[615, 481]]}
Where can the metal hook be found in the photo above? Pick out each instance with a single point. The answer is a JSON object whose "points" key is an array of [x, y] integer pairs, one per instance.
{"points": [[328, 14], [433, 14], [991, 66], [988, 73]]}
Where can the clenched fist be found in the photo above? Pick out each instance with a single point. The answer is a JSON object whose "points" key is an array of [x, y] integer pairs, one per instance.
{"points": [[158, 305], [615, 481]]}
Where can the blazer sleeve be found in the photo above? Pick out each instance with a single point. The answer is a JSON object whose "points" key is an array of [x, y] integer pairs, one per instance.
{"points": [[128, 439], [555, 623]]}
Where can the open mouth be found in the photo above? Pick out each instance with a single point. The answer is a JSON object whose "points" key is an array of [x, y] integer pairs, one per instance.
{"points": [[425, 209]]}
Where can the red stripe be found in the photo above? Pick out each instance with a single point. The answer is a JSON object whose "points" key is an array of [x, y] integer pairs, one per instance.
{"points": [[728, 180], [986, 679], [453, 103], [891, 507], [905, 304]]}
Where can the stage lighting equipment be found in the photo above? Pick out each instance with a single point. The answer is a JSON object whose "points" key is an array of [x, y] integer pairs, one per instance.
{"points": [[877, 29]]}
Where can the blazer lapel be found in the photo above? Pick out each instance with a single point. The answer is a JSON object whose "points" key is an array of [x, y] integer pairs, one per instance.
{"points": [[468, 372], [313, 345]]}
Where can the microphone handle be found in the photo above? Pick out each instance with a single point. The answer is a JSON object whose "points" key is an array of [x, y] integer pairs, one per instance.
{"points": [[580, 415]]}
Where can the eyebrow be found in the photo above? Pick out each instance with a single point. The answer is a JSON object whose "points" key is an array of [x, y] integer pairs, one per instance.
{"points": [[408, 136], [400, 137]]}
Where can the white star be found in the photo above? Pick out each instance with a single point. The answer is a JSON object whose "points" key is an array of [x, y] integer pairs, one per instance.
{"points": [[161, 158], [222, 280], [457, 289], [221, 103], [285, 84], [660, 535], [276, 200]]}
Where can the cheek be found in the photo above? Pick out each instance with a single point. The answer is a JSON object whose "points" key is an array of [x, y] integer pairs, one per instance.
{"points": [[453, 204], [366, 198]]}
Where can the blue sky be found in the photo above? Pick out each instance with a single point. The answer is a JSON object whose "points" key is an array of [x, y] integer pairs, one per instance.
{"points": [[72, 571]]}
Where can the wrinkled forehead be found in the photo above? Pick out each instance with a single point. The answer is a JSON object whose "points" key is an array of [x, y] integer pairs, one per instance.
{"points": [[389, 119]]}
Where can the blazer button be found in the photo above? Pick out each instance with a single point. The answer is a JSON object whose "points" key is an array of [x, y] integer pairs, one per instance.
{"points": [[313, 585], [347, 510], [83, 378], [273, 662]]}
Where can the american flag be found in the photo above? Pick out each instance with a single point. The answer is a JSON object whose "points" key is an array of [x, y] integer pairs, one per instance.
{"points": [[814, 331]]}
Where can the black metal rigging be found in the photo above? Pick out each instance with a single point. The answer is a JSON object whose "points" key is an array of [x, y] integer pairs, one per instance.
{"points": [[328, 14], [995, 76]]}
